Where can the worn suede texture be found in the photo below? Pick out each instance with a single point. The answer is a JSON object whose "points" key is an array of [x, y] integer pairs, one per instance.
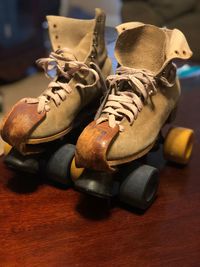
{"points": [[143, 47], [147, 47], [83, 38], [77, 36]]}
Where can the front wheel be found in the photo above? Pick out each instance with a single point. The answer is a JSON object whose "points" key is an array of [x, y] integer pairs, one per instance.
{"points": [[140, 187], [59, 164]]}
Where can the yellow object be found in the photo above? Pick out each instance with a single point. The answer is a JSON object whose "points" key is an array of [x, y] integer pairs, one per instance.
{"points": [[178, 145], [7, 148], [75, 171]]}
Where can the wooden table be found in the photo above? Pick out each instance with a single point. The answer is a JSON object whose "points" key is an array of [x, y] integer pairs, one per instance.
{"points": [[42, 225]]}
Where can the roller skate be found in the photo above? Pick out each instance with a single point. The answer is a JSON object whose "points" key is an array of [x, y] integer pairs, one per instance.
{"points": [[77, 67], [80, 64], [142, 97]]}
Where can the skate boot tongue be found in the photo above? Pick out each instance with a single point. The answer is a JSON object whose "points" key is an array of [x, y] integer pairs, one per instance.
{"points": [[151, 48], [136, 48]]}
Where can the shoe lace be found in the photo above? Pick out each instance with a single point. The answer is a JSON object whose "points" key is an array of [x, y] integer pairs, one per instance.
{"points": [[64, 67], [128, 91]]}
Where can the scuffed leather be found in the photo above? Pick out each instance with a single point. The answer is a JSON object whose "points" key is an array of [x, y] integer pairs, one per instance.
{"points": [[18, 124], [93, 144]]}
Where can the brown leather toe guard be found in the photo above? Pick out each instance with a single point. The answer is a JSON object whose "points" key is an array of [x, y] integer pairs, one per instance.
{"points": [[93, 144], [19, 123]]}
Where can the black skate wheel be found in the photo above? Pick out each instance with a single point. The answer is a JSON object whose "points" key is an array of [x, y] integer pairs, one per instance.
{"points": [[58, 166], [140, 187]]}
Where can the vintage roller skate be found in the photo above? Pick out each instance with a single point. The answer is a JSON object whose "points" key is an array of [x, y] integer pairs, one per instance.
{"points": [[78, 65], [142, 97]]}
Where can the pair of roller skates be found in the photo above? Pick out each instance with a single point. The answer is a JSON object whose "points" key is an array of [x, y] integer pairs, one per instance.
{"points": [[107, 159]]}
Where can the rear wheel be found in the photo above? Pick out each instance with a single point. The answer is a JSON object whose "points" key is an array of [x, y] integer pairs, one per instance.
{"points": [[178, 145]]}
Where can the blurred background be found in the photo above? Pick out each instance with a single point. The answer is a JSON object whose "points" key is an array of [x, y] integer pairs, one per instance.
{"points": [[24, 35]]}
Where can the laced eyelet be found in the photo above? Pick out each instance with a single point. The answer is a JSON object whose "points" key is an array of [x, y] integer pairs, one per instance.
{"points": [[93, 55]]}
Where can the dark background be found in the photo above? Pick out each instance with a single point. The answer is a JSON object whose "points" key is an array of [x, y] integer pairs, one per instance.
{"points": [[23, 31]]}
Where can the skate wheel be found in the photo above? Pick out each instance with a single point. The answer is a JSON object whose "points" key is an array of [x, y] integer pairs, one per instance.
{"points": [[7, 148], [140, 187], [58, 166], [75, 171], [178, 145]]}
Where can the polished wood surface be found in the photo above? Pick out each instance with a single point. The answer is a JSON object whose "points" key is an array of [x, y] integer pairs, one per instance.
{"points": [[43, 225]]}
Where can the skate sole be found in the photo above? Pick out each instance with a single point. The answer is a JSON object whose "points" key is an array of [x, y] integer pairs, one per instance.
{"points": [[132, 157]]}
